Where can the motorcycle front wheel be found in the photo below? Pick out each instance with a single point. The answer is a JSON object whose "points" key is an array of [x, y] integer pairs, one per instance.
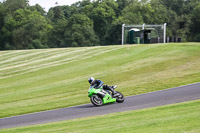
{"points": [[120, 97], [96, 100]]}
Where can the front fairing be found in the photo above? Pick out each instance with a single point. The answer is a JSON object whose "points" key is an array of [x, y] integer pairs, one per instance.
{"points": [[93, 91]]}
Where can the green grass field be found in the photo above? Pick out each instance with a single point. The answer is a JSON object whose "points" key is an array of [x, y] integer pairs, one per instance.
{"points": [[38, 80], [178, 118]]}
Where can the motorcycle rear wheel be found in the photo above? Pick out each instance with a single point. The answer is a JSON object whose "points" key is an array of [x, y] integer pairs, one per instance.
{"points": [[96, 100]]}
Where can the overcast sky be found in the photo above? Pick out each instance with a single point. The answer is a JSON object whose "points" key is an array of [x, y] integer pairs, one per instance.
{"points": [[51, 3]]}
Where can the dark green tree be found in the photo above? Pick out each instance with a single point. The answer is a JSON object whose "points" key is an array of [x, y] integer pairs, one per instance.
{"points": [[103, 14], [69, 11], [2, 16], [56, 37], [38, 8], [133, 13], [123, 4], [13, 5], [115, 32], [180, 24], [195, 25], [55, 14], [161, 14], [25, 29], [79, 32]]}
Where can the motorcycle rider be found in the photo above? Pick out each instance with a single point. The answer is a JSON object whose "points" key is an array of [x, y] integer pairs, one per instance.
{"points": [[97, 83]]}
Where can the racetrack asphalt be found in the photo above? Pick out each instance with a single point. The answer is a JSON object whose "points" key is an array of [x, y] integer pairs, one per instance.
{"points": [[153, 99]]}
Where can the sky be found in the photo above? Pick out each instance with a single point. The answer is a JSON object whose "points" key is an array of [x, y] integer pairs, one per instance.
{"points": [[46, 4], [51, 3]]}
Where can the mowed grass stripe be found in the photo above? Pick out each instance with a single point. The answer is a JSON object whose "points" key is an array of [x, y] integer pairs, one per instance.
{"points": [[135, 69], [39, 57], [50, 56], [20, 54], [48, 62], [28, 57], [39, 76], [8, 54], [41, 54]]}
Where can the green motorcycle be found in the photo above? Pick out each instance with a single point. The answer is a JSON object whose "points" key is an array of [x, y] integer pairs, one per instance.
{"points": [[98, 96]]}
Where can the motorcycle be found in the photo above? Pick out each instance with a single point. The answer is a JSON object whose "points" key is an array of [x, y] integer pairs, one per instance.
{"points": [[99, 97]]}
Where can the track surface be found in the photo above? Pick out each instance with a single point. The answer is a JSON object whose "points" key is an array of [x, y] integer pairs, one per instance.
{"points": [[164, 97]]}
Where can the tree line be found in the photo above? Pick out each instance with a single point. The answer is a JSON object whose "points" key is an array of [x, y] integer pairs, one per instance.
{"points": [[91, 23]]}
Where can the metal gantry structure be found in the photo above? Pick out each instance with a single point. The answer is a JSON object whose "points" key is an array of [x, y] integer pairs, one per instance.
{"points": [[159, 29]]}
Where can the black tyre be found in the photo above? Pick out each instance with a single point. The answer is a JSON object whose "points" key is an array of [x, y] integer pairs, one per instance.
{"points": [[120, 97], [96, 100]]}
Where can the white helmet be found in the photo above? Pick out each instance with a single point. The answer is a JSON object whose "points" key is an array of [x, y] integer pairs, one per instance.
{"points": [[90, 80]]}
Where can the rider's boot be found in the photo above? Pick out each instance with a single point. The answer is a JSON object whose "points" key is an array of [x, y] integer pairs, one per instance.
{"points": [[114, 86], [114, 92], [112, 89]]}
